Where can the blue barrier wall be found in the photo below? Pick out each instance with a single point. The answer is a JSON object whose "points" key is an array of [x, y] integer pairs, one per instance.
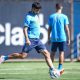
{"points": [[12, 13], [76, 27]]}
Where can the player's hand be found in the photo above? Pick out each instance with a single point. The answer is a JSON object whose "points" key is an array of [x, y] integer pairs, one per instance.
{"points": [[68, 42], [28, 42]]}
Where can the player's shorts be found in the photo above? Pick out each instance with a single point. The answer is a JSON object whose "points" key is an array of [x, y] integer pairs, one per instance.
{"points": [[35, 43], [58, 45]]}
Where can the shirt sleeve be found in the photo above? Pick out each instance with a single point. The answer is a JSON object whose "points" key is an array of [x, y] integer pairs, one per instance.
{"points": [[66, 21], [27, 21]]}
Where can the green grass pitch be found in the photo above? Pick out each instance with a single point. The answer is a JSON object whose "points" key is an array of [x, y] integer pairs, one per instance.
{"points": [[36, 71]]}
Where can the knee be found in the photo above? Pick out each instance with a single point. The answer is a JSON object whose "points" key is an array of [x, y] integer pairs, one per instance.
{"points": [[46, 54], [24, 55]]}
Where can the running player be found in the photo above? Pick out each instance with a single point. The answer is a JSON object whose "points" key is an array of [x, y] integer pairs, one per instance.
{"points": [[32, 33]]}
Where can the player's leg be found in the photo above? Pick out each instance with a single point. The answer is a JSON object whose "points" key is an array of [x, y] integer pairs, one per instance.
{"points": [[42, 49], [21, 55], [53, 50], [61, 56], [13, 56], [52, 70], [52, 56], [61, 59], [47, 58]]}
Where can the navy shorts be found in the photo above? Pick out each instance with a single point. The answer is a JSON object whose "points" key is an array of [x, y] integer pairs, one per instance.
{"points": [[58, 45], [35, 43]]}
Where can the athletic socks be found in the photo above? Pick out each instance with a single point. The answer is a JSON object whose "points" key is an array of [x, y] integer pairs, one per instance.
{"points": [[60, 66], [5, 57]]}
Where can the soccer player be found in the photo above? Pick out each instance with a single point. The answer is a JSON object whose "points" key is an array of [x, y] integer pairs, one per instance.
{"points": [[58, 27], [32, 33]]}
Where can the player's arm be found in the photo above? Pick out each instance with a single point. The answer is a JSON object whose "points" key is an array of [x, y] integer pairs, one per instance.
{"points": [[68, 34], [26, 35], [49, 31]]}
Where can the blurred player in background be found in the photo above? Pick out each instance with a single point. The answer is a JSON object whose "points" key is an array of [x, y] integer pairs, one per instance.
{"points": [[58, 27], [32, 33]]}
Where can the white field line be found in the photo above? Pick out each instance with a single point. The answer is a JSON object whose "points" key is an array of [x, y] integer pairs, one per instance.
{"points": [[76, 72], [67, 72], [15, 69], [66, 78], [23, 68], [11, 79], [16, 73]]}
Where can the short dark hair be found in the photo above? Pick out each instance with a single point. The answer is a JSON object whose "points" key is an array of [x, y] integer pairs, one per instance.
{"points": [[58, 6], [36, 5]]}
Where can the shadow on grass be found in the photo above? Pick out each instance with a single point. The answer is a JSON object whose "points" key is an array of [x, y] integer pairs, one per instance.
{"points": [[2, 78]]}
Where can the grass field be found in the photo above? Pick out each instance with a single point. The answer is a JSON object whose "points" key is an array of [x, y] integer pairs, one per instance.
{"points": [[36, 71]]}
